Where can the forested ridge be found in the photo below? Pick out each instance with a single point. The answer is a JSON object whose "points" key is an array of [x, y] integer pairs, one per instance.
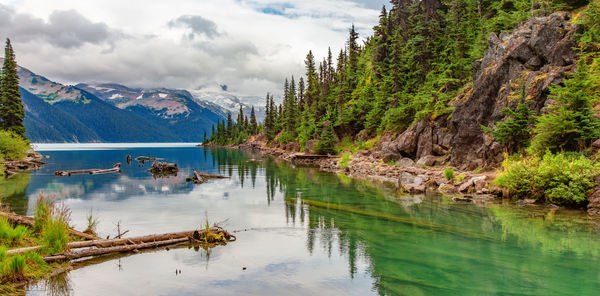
{"points": [[418, 60]]}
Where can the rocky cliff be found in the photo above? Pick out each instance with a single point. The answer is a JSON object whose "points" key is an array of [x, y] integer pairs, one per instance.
{"points": [[535, 56]]}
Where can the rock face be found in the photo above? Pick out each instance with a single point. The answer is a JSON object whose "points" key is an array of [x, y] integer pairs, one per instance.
{"points": [[536, 55]]}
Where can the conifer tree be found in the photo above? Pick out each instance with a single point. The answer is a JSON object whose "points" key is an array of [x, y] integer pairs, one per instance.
{"points": [[253, 124], [12, 113]]}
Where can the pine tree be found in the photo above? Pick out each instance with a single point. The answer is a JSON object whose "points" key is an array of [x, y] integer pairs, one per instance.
{"points": [[12, 113], [253, 124], [229, 126], [326, 144]]}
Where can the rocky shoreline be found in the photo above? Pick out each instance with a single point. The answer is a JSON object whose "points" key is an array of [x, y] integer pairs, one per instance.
{"points": [[33, 161], [407, 175]]}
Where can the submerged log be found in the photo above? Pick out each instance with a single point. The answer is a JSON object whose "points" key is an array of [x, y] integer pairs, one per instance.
{"points": [[115, 169], [200, 177], [160, 169], [147, 158], [28, 221]]}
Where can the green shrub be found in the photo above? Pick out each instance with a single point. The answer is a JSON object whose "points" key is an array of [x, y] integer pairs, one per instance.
{"points": [[460, 178], [449, 174], [563, 179], [12, 146], [326, 145], [343, 162]]}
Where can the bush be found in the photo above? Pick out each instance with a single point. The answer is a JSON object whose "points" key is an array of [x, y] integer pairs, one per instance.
{"points": [[563, 179], [449, 174], [12, 146], [343, 162]]}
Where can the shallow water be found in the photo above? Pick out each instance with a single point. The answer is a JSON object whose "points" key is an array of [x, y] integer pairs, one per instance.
{"points": [[355, 239]]}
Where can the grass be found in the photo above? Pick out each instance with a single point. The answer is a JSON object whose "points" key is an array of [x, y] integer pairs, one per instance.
{"points": [[55, 236], [10, 235], [92, 223]]}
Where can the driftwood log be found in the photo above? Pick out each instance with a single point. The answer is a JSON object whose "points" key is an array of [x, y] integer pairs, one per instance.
{"points": [[212, 235], [28, 221], [200, 177], [160, 168], [115, 169]]}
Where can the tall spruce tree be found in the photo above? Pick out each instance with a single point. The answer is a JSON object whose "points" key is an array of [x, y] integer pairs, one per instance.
{"points": [[253, 123], [12, 112]]}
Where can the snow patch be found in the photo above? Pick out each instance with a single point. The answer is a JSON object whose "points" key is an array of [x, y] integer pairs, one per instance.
{"points": [[115, 96], [162, 95], [140, 97]]}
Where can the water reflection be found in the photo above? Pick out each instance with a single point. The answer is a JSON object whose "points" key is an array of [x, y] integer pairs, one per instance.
{"points": [[366, 240]]}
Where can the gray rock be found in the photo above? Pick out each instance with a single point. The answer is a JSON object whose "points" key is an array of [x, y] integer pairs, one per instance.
{"points": [[428, 160], [405, 162]]}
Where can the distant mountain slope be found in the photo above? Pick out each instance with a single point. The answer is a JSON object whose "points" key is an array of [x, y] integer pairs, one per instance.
{"points": [[46, 123], [83, 117], [175, 109]]}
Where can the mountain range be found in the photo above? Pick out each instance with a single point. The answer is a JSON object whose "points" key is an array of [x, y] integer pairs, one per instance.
{"points": [[110, 112]]}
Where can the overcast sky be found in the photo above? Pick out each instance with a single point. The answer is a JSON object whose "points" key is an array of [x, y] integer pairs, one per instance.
{"points": [[248, 45]]}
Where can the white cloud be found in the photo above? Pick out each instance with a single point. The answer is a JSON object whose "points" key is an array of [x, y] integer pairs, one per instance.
{"points": [[248, 45]]}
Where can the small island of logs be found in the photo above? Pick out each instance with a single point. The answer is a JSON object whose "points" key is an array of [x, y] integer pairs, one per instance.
{"points": [[163, 169]]}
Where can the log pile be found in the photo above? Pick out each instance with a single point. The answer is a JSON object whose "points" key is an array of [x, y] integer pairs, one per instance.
{"points": [[115, 169], [160, 168], [200, 177], [33, 161]]}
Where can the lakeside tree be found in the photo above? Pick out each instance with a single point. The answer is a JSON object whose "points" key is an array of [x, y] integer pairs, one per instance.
{"points": [[12, 112]]}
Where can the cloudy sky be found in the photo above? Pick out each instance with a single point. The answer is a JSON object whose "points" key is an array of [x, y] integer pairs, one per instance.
{"points": [[248, 45]]}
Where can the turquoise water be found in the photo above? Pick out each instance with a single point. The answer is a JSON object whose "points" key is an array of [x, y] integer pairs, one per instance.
{"points": [[349, 237]]}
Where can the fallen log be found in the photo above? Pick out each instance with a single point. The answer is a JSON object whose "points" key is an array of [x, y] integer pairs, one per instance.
{"points": [[28, 221], [147, 158], [115, 169], [212, 235], [200, 177]]}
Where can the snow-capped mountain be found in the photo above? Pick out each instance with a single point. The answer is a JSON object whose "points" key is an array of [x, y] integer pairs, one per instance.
{"points": [[229, 102]]}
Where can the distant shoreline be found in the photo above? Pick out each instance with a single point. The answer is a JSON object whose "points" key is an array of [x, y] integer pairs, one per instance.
{"points": [[104, 146]]}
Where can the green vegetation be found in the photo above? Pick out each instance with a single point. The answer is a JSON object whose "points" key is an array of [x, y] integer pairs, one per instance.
{"points": [[12, 146], [562, 178], [343, 162], [51, 231], [449, 174]]}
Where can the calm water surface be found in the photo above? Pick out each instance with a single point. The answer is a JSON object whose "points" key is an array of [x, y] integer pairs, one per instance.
{"points": [[360, 239]]}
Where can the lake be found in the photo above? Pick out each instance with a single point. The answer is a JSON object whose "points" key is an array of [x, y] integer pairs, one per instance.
{"points": [[350, 237]]}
